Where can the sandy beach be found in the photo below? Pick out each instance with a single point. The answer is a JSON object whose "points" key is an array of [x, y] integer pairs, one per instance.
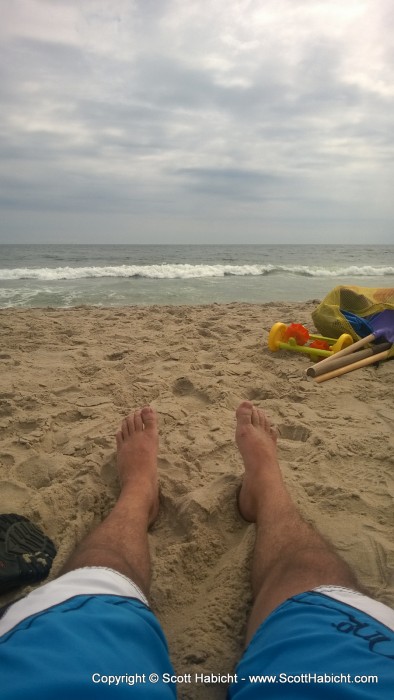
{"points": [[69, 376]]}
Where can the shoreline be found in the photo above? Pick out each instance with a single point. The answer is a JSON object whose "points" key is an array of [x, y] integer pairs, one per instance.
{"points": [[71, 374]]}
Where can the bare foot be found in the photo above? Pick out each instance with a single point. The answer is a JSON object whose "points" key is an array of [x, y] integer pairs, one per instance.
{"points": [[137, 447], [256, 440]]}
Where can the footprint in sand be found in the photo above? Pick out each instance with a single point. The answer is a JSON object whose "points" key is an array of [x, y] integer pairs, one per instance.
{"points": [[7, 459], [184, 387], [6, 408], [298, 433], [37, 472], [13, 497], [116, 356], [260, 394]]}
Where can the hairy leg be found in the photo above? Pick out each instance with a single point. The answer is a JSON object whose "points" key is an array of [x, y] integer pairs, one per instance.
{"points": [[290, 557], [120, 542]]}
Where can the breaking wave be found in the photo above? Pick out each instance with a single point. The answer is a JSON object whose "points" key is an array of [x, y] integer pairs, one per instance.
{"points": [[186, 271]]}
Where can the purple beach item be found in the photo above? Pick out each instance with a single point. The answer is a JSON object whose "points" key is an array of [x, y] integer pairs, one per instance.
{"points": [[382, 325]]}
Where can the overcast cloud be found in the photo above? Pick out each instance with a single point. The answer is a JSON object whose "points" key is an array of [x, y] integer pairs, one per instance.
{"points": [[197, 121]]}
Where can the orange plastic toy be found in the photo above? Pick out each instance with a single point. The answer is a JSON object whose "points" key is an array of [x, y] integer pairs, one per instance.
{"points": [[295, 338]]}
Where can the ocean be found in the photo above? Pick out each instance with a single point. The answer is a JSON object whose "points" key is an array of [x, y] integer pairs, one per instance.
{"points": [[118, 275]]}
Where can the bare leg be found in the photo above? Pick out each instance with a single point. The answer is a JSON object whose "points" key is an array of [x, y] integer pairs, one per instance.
{"points": [[290, 557], [120, 542]]}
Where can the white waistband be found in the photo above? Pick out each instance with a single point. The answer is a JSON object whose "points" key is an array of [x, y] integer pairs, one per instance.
{"points": [[91, 580], [374, 608]]}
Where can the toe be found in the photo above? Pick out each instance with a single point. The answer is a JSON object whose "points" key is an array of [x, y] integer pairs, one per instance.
{"points": [[244, 413], [148, 416], [130, 424], [125, 428], [138, 424], [264, 421], [261, 417], [255, 417]]}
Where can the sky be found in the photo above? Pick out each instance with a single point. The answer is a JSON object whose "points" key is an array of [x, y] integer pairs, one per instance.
{"points": [[198, 121]]}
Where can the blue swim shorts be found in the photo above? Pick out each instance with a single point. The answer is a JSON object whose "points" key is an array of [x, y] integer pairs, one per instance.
{"points": [[331, 642], [88, 634], [91, 634]]}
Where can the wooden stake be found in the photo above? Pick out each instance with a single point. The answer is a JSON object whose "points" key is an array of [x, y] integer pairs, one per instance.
{"points": [[322, 368], [349, 368], [350, 348]]}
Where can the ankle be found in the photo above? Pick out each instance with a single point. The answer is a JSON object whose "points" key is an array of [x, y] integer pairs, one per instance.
{"points": [[278, 510]]}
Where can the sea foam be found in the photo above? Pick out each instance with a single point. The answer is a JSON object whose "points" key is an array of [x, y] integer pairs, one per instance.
{"points": [[186, 271]]}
